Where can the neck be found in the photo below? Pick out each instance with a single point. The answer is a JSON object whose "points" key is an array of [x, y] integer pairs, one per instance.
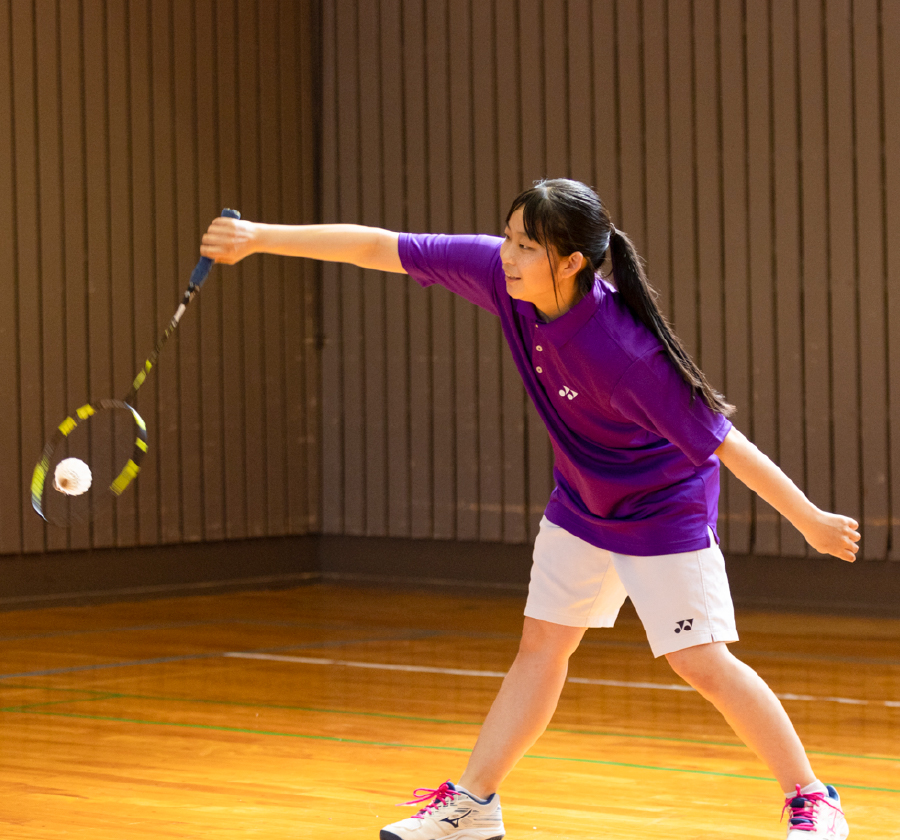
{"points": [[560, 307]]}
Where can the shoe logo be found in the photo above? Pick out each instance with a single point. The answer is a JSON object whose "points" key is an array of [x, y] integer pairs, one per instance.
{"points": [[568, 392], [454, 821], [684, 625]]}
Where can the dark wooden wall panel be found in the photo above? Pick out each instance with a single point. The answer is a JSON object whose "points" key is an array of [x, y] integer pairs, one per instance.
{"points": [[748, 148], [127, 125], [751, 149], [11, 492], [890, 58]]}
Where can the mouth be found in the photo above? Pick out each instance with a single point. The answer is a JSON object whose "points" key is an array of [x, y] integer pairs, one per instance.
{"points": [[510, 277]]}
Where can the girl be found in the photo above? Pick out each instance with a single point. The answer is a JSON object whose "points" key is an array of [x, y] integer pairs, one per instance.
{"points": [[638, 434]]}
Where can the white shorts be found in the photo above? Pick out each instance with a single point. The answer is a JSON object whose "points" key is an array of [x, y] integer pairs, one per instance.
{"points": [[682, 599]]}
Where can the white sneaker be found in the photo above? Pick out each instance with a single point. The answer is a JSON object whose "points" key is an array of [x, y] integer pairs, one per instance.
{"points": [[816, 816], [452, 814]]}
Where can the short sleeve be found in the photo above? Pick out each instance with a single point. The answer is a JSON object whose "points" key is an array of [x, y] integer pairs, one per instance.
{"points": [[653, 394], [466, 265]]}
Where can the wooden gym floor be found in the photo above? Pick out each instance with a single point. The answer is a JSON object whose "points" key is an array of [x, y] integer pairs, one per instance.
{"points": [[250, 715]]}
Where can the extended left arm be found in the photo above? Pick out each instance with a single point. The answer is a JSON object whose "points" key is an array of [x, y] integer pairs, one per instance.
{"points": [[828, 533]]}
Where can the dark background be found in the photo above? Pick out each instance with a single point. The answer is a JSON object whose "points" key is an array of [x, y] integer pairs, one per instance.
{"points": [[322, 420]]}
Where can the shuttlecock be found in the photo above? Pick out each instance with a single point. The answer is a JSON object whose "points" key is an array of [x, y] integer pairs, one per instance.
{"points": [[72, 477]]}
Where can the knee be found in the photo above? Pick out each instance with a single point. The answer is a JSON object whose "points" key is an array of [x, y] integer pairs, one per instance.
{"points": [[548, 640], [705, 667]]}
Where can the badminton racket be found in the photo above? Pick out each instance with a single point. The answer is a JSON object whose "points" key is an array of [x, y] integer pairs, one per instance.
{"points": [[95, 454]]}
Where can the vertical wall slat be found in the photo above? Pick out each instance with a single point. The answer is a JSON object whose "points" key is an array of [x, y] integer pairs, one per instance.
{"points": [[209, 312], [305, 36], [456, 437], [271, 291], [532, 99], [120, 232], [448, 123], [816, 298], [556, 89], [508, 183], [229, 157], [397, 288], [143, 265], [375, 339], [659, 225], [844, 338], [12, 493], [735, 245], [580, 87], [759, 412], [629, 49], [164, 434], [332, 356], [53, 301], [416, 197], [184, 212], [351, 285], [709, 190], [605, 107], [28, 266], [890, 72], [253, 284], [869, 224], [479, 371], [683, 184], [788, 263]]}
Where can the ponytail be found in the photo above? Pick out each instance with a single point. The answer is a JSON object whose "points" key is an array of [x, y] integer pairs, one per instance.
{"points": [[631, 282]]}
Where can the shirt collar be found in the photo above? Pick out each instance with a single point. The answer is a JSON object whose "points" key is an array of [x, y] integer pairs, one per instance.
{"points": [[561, 330]]}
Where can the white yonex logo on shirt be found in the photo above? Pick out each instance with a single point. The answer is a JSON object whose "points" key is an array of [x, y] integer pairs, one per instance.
{"points": [[568, 392]]}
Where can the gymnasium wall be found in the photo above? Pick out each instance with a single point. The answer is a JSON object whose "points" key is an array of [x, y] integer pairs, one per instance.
{"points": [[365, 427], [751, 148], [126, 126]]}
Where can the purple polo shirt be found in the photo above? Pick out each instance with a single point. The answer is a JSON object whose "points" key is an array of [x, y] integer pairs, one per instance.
{"points": [[634, 465]]}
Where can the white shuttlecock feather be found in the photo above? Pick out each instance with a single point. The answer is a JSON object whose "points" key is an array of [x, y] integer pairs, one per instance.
{"points": [[72, 477]]}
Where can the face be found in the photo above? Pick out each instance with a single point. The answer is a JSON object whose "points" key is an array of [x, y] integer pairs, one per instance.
{"points": [[528, 274]]}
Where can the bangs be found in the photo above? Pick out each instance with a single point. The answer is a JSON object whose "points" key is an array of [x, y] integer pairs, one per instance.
{"points": [[536, 214]]}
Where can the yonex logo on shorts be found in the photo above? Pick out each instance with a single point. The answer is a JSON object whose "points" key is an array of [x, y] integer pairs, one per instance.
{"points": [[684, 625], [568, 392]]}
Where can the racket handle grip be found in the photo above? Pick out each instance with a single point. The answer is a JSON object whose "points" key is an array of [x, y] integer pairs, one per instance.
{"points": [[198, 275]]}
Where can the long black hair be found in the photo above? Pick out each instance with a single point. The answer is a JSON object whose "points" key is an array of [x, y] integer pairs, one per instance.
{"points": [[569, 217]]}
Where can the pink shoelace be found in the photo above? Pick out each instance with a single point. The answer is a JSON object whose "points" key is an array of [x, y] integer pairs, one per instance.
{"points": [[436, 798], [803, 814]]}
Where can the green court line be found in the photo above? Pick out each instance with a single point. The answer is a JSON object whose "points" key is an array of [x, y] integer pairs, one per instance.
{"points": [[333, 739], [389, 716]]}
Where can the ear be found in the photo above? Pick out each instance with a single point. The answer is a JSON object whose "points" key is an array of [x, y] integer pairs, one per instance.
{"points": [[571, 265]]}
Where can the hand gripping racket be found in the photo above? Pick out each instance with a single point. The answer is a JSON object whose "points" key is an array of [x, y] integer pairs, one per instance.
{"points": [[108, 435]]}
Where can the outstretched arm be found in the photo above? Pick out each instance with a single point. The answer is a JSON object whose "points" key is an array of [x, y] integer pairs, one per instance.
{"points": [[828, 533], [230, 240]]}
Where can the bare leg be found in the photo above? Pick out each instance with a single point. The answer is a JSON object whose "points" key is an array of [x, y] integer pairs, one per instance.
{"points": [[749, 706], [524, 705]]}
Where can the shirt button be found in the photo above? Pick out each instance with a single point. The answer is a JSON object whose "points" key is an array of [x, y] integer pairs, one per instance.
{"points": [[539, 370], [539, 348]]}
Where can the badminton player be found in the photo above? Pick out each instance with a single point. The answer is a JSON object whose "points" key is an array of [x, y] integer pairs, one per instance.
{"points": [[638, 434]]}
